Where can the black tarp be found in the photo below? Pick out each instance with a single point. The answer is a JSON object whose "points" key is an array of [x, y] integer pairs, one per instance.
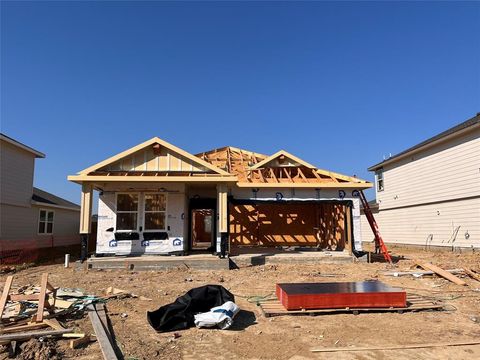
{"points": [[179, 315]]}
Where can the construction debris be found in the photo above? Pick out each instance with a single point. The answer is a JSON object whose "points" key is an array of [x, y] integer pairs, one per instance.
{"points": [[100, 326], [81, 341], [33, 312], [112, 292], [219, 316], [472, 274], [418, 273], [442, 273]]}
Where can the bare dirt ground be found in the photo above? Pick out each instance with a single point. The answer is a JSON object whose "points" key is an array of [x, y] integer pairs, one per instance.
{"points": [[284, 337]]}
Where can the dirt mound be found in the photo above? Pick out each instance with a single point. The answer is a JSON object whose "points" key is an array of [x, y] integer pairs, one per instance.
{"points": [[35, 349]]}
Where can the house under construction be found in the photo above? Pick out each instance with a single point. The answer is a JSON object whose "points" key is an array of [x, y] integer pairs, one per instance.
{"points": [[157, 198]]}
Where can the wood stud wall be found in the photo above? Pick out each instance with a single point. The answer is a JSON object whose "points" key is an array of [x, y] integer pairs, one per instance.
{"points": [[269, 225]]}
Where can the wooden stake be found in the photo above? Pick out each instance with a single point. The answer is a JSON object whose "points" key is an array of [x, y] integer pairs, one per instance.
{"points": [[398, 347], [41, 297], [6, 290], [81, 341]]}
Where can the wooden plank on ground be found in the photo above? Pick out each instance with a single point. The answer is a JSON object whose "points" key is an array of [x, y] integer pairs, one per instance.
{"points": [[398, 347], [6, 290], [419, 272], [33, 334], [442, 273], [472, 274], [102, 314], [12, 329], [102, 337]]}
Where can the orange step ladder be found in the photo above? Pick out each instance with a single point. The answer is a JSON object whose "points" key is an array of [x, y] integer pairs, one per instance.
{"points": [[379, 244]]}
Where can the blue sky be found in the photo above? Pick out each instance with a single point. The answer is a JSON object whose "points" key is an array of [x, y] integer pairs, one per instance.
{"points": [[338, 84]]}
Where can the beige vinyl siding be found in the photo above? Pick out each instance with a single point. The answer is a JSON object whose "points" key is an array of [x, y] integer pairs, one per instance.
{"points": [[65, 226], [16, 222], [16, 175], [432, 197], [22, 229], [442, 224], [447, 171]]}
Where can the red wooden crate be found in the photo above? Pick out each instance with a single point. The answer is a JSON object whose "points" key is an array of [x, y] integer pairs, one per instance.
{"points": [[338, 295]]}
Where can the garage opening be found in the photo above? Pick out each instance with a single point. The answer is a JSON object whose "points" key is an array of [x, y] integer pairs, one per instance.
{"points": [[325, 225]]}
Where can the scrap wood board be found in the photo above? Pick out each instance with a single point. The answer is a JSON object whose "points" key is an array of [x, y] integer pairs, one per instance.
{"points": [[414, 303], [442, 273]]}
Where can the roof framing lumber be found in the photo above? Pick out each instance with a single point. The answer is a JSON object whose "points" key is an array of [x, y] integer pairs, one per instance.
{"points": [[279, 154]]}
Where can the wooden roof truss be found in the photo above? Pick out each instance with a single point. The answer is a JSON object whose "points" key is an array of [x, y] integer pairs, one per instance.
{"points": [[282, 168]]}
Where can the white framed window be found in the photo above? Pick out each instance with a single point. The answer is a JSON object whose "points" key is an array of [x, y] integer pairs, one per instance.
{"points": [[155, 212], [379, 177], [127, 212], [45, 222]]}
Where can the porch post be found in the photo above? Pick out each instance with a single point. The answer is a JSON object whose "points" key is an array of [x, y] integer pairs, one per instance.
{"points": [[222, 218], [85, 218]]}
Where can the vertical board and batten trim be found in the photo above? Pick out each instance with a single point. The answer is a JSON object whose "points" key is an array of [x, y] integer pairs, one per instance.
{"points": [[86, 208], [222, 208]]}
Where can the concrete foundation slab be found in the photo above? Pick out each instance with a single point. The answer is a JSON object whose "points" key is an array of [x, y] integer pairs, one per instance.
{"points": [[152, 262], [291, 257]]}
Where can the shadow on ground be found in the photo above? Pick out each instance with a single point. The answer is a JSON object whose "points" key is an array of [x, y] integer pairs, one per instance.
{"points": [[243, 320]]}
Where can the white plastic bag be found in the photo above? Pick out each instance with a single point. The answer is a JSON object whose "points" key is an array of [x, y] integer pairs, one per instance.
{"points": [[221, 316]]}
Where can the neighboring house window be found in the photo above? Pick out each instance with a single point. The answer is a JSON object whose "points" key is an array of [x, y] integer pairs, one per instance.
{"points": [[45, 222], [127, 212], [379, 175], [155, 210]]}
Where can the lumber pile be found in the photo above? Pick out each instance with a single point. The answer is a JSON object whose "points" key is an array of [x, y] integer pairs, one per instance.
{"points": [[431, 269], [40, 312]]}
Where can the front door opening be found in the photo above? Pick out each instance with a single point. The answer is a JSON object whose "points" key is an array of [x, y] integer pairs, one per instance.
{"points": [[202, 228]]}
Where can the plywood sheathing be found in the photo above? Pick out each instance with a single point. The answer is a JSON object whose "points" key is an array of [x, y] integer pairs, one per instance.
{"points": [[233, 160]]}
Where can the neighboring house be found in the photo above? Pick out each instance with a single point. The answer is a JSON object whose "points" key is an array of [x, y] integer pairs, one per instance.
{"points": [[157, 198], [429, 194], [30, 218]]}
